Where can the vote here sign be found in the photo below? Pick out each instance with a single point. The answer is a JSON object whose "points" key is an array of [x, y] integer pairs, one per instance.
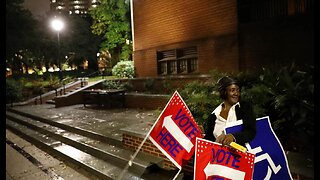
{"points": [[214, 161], [175, 131]]}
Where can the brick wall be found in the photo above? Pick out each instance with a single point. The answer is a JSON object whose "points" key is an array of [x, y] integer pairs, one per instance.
{"points": [[158, 23], [222, 42], [210, 25], [133, 142], [160, 83], [286, 40], [146, 101]]}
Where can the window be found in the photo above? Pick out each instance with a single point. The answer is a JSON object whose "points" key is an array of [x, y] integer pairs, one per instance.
{"points": [[253, 10], [177, 61]]}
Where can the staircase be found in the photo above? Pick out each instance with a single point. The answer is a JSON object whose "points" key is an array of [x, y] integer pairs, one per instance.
{"points": [[65, 90], [70, 90], [101, 156]]}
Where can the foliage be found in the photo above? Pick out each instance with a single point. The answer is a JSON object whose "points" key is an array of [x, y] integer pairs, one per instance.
{"points": [[127, 85], [284, 94], [20, 33], [111, 21], [32, 43], [112, 84], [34, 85], [126, 51], [201, 98], [292, 105], [149, 84], [78, 39], [123, 69], [13, 91], [23, 37], [166, 83], [259, 96]]}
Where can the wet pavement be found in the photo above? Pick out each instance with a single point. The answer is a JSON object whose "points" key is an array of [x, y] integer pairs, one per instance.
{"points": [[107, 122], [26, 161]]}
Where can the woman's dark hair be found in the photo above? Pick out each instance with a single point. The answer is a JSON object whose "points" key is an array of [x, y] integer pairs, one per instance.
{"points": [[223, 83]]}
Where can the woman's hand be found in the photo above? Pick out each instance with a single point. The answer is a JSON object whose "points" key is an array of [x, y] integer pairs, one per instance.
{"points": [[225, 139]]}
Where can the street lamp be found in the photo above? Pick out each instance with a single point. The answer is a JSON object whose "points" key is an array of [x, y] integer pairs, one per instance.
{"points": [[57, 25]]}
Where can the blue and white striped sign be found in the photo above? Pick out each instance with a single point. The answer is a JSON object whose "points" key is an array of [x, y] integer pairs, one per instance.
{"points": [[270, 161]]}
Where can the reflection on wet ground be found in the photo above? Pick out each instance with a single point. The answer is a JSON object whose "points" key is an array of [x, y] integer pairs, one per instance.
{"points": [[107, 122]]}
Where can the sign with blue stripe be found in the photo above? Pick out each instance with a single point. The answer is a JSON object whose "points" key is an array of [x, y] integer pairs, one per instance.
{"points": [[270, 160]]}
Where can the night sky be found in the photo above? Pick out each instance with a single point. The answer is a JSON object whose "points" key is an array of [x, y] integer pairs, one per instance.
{"points": [[37, 7]]}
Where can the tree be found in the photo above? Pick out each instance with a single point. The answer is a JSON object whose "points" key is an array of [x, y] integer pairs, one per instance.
{"points": [[20, 32], [111, 21], [80, 41]]}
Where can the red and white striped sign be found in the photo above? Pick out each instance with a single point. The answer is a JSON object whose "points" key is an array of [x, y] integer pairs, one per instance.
{"points": [[214, 161], [175, 131]]}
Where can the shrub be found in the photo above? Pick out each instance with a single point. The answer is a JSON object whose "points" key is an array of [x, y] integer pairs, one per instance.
{"points": [[127, 86], [111, 84], [292, 105], [13, 91], [51, 82], [201, 99], [149, 84], [123, 69], [284, 94]]}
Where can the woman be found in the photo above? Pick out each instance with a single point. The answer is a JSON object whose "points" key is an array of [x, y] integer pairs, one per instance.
{"points": [[230, 110]]}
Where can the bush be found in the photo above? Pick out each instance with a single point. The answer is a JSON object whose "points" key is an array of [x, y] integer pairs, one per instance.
{"points": [[292, 105], [111, 84], [13, 91], [201, 99], [123, 69], [149, 84], [284, 94]]}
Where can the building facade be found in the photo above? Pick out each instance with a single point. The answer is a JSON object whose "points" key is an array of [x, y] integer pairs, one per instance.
{"points": [[73, 7], [194, 37]]}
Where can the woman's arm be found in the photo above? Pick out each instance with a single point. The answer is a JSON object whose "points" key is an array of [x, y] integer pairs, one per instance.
{"points": [[209, 127], [245, 112]]}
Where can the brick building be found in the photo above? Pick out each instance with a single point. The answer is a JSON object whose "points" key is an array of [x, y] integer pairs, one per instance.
{"points": [[193, 37]]}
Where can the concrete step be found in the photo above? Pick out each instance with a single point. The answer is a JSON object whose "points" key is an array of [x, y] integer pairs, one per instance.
{"points": [[97, 167], [51, 101], [94, 147], [118, 156], [64, 125]]}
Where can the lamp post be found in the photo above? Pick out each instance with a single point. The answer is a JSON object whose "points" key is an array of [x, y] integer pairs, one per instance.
{"points": [[57, 25]]}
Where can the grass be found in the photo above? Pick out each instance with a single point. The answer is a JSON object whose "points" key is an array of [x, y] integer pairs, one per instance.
{"points": [[97, 78]]}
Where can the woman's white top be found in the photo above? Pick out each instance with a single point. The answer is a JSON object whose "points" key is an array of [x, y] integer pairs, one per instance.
{"points": [[221, 122]]}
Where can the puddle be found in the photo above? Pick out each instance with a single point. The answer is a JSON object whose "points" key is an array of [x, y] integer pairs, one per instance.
{"points": [[73, 152], [65, 120], [53, 117]]}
